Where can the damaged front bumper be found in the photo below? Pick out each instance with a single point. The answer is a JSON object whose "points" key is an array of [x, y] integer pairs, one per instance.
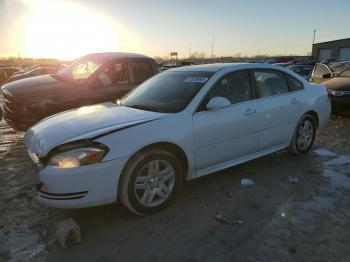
{"points": [[79, 187]]}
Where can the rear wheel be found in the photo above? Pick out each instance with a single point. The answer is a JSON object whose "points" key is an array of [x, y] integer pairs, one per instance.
{"points": [[150, 181], [304, 136]]}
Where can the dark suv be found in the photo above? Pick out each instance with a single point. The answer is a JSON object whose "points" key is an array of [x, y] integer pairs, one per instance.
{"points": [[92, 79]]}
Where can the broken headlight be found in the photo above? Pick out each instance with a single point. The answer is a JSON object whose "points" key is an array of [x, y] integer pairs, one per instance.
{"points": [[77, 157]]}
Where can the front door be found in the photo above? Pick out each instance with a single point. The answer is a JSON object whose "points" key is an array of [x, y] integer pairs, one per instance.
{"points": [[110, 84], [227, 133]]}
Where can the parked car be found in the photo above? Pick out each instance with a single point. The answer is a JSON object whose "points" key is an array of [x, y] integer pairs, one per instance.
{"points": [[339, 67], [182, 124], [303, 70], [339, 90], [10, 71], [38, 71], [283, 64], [92, 79], [3, 76]]}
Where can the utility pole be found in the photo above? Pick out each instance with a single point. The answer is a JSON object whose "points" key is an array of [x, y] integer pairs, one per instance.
{"points": [[212, 47], [189, 56], [313, 40], [285, 48]]}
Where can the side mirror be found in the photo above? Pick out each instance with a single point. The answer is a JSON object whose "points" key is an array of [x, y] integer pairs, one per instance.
{"points": [[218, 102], [328, 75]]}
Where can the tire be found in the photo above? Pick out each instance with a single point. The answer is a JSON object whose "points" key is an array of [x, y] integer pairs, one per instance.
{"points": [[304, 136], [143, 189]]}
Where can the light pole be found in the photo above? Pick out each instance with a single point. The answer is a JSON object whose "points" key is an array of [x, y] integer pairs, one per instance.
{"points": [[212, 47]]}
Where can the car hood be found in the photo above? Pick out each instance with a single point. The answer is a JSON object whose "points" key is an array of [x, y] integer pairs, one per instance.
{"points": [[338, 83], [83, 123], [34, 86]]}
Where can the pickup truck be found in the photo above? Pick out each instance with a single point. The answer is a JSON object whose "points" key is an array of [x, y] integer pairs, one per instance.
{"points": [[94, 78]]}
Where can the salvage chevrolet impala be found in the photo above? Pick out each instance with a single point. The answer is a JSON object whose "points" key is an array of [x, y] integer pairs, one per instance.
{"points": [[179, 125]]}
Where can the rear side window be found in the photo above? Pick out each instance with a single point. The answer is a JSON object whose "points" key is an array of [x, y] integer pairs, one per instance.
{"points": [[294, 84], [270, 83], [142, 71]]}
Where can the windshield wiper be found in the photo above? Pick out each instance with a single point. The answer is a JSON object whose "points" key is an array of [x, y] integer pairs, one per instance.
{"points": [[142, 107]]}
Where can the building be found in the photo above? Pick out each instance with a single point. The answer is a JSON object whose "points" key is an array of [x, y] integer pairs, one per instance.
{"points": [[337, 48]]}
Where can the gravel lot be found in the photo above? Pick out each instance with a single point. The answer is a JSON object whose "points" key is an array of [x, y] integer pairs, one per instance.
{"points": [[297, 210]]}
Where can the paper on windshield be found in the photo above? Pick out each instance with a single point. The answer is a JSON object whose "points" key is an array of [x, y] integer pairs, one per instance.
{"points": [[196, 79]]}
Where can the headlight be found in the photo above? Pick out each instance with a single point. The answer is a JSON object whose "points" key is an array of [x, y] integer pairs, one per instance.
{"points": [[77, 157], [338, 92]]}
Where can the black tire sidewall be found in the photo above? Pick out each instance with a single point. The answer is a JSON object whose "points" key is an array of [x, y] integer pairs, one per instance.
{"points": [[131, 183], [307, 117]]}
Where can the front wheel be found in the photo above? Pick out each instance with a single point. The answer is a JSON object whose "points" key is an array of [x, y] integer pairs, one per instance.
{"points": [[304, 136], [150, 181]]}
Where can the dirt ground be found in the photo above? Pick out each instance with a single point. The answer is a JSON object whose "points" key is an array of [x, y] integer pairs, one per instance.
{"points": [[298, 209]]}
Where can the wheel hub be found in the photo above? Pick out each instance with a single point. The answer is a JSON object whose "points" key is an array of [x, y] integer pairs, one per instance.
{"points": [[154, 183]]}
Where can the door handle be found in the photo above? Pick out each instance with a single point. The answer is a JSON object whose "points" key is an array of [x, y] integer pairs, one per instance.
{"points": [[294, 101], [250, 111]]}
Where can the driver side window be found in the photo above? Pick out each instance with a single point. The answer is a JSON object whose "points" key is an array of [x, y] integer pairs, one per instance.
{"points": [[113, 74], [234, 86]]}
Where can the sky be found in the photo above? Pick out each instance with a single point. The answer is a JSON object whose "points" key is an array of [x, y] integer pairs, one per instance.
{"points": [[67, 29]]}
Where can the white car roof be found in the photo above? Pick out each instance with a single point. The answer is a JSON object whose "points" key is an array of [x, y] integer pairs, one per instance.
{"points": [[218, 66]]}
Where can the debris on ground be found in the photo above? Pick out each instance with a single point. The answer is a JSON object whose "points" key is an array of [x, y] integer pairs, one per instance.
{"points": [[247, 182], [238, 221], [293, 180], [68, 233], [324, 152]]}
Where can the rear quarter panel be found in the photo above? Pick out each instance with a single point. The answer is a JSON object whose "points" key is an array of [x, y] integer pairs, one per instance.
{"points": [[316, 99]]}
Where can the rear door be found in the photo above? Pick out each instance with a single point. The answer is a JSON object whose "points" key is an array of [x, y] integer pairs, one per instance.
{"points": [[110, 83], [278, 106]]}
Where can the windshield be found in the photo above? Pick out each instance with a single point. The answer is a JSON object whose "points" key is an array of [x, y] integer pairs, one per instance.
{"points": [[81, 69], [168, 92]]}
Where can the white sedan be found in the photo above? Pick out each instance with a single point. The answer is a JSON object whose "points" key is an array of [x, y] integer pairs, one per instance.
{"points": [[179, 125]]}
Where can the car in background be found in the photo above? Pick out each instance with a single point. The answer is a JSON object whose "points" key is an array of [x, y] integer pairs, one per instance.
{"points": [[10, 71], [92, 79], [3, 76], [303, 70], [323, 72], [339, 67], [332, 60], [182, 124], [339, 91], [283, 64], [337, 83], [38, 71]]}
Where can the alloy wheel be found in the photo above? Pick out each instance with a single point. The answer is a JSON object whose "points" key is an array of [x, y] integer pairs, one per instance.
{"points": [[305, 135], [154, 183]]}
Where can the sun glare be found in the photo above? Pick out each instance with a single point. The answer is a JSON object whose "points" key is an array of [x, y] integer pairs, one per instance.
{"points": [[65, 30]]}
